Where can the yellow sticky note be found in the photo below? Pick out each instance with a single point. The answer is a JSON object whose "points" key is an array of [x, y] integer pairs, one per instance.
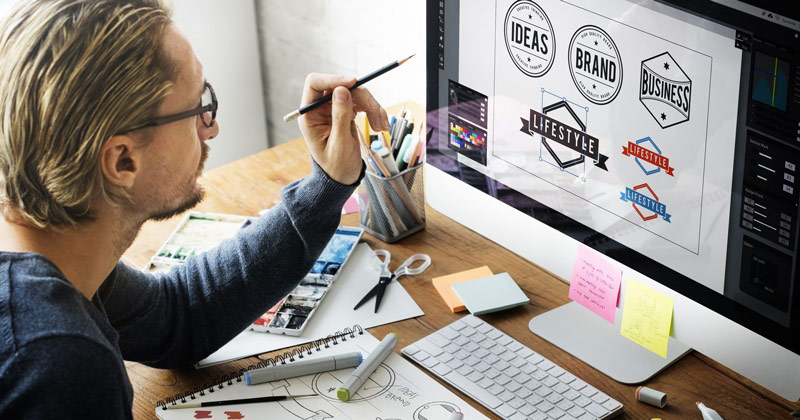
{"points": [[647, 317], [444, 285]]}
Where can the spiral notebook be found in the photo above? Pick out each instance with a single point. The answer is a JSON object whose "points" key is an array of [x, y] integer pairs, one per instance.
{"points": [[396, 390]]}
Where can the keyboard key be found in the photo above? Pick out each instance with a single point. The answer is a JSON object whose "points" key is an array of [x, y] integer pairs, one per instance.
{"points": [[523, 392], [449, 333], [535, 358], [481, 353], [612, 405], [544, 406], [468, 332], [539, 375], [430, 347], [504, 340], [514, 346], [567, 378], [518, 362], [582, 401], [460, 341], [596, 409], [473, 390], [482, 367], [478, 338], [571, 394], [492, 373], [501, 365], [508, 356], [561, 388], [543, 391], [471, 347], [512, 372], [506, 396], [565, 404], [545, 365], [522, 378], [495, 389], [439, 339], [475, 376], [445, 357], [517, 416], [491, 359], [465, 370], [513, 386], [576, 411], [554, 398], [420, 356], [485, 383], [516, 403], [578, 384], [549, 382], [494, 334], [555, 413], [502, 379], [506, 410], [441, 369], [556, 371], [458, 325], [484, 328], [455, 364], [589, 390], [527, 409], [472, 321], [430, 362], [411, 350], [472, 360], [600, 398]]}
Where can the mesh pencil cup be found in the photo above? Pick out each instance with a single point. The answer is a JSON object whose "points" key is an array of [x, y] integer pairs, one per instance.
{"points": [[394, 207]]}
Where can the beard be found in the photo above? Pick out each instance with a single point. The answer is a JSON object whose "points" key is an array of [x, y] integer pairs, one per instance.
{"points": [[192, 197]]}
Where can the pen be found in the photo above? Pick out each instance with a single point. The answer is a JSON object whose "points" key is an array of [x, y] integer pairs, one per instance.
{"points": [[708, 414], [302, 368], [456, 415], [236, 402], [362, 372], [360, 81]]}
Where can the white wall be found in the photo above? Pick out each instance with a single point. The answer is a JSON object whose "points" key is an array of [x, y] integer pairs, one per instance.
{"points": [[224, 37], [352, 37]]}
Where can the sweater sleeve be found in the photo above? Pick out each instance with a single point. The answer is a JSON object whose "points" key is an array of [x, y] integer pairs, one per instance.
{"points": [[45, 378], [180, 317]]}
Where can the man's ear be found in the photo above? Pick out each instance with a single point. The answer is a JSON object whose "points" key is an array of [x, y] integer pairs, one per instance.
{"points": [[120, 160]]}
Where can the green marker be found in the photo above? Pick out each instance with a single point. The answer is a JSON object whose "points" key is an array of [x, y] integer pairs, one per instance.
{"points": [[360, 375]]}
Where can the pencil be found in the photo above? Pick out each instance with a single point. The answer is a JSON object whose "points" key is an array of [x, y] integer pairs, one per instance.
{"points": [[292, 115], [236, 402]]}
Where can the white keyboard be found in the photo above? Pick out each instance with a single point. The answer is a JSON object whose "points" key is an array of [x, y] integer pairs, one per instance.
{"points": [[505, 376]]}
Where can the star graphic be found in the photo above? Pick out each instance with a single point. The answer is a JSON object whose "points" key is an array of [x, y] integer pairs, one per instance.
{"points": [[595, 43], [666, 66], [594, 86], [663, 116], [530, 16], [529, 59]]}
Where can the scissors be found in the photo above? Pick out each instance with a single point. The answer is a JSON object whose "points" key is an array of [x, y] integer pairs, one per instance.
{"points": [[387, 276]]}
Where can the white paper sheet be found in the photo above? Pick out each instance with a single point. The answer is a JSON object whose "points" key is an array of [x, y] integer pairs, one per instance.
{"points": [[396, 390], [335, 313]]}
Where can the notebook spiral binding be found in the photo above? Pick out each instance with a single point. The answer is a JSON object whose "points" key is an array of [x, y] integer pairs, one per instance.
{"points": [[287, 356]]}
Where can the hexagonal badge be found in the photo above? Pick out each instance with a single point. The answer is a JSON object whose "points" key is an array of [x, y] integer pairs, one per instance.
{"points": [[665, 90], [649, 202], [648, 156]]}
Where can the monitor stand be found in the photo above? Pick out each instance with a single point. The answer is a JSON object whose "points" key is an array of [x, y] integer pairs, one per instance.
{"points": [[597, 342]]}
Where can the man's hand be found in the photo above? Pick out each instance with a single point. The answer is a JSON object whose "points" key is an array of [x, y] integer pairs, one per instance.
{"points": [[330, 130]]}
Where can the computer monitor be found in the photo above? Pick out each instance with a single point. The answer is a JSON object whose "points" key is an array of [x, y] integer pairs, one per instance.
{"points": [[664, 135]]}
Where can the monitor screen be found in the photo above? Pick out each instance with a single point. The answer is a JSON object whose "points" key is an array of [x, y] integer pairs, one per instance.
{"points": [[665, 135]]}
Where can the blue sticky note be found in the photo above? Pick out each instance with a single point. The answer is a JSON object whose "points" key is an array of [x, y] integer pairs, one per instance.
{"points": [[490, 294]]}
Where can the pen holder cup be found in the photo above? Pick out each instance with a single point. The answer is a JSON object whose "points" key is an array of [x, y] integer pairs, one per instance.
{"points": [[394, 207]]}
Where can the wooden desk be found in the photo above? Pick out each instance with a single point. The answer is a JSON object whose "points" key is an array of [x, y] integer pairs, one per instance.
{"points": [[251, 184]]}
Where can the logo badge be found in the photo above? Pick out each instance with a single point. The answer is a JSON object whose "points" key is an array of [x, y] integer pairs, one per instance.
{"points": [[638, 195], [530, 39], [649, 158], [563, 135], [595, 64], [665, 90]]}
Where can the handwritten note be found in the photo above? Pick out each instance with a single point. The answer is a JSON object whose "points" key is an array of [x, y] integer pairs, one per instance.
{"points": [[647, 317], [595, 283]]}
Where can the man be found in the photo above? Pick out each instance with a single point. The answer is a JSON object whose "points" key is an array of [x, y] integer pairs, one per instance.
{"points": [[104, 118]]}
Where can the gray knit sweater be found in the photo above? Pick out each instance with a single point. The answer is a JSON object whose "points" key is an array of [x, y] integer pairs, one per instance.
{"points": [[61, 355]]}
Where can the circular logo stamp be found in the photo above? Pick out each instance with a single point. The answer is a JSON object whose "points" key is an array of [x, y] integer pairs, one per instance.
{"points": [[530, 39], [595, 64]]}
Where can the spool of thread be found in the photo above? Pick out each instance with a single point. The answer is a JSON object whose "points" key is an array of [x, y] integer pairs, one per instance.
{"points": [[651, 396]]}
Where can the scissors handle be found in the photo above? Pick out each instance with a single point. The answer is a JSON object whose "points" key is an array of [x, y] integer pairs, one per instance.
{"points": [[406, 269]]}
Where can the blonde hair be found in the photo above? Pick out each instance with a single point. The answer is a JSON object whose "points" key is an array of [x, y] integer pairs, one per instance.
{"points": [[72, 74]]}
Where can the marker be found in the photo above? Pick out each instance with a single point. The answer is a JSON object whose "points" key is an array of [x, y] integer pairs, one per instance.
{"points": [[386, 156], [708, 414], [651, 396], [362, 372], [302, 368], [456, 415], [236, 402]]}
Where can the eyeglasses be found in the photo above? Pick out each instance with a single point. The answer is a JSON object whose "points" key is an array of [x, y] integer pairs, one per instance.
{"points": [[207, 111]]}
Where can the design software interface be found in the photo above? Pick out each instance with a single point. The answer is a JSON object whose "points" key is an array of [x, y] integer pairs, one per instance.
{"points": [[666, 139]]}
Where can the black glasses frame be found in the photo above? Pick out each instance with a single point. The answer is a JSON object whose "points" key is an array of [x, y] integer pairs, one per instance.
{"points": [[212, 108]]}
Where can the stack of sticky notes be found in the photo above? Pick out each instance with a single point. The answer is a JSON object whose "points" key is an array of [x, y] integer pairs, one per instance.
{"points": [[490, 294], [444, 285]]}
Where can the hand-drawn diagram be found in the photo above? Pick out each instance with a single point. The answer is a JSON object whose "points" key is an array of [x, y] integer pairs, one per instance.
{"points": [[435, 410], [326, 384]]}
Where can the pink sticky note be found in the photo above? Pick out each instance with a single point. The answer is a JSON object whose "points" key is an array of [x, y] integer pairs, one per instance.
{"points": [[350, 206], [595, 283]]}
